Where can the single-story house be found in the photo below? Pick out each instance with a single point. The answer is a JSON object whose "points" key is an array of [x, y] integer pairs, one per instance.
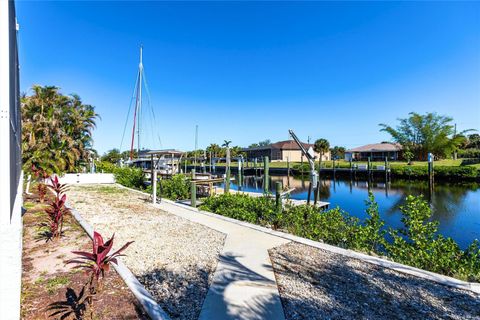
{"points": [[282, 151], [376, 152]]}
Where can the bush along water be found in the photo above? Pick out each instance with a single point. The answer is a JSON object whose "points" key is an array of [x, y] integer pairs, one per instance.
{"points": [[127, 176], [175, 188], [417, 244]]}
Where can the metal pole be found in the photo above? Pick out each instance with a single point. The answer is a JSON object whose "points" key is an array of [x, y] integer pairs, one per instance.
{"points": [[265, 175], [152, 168], [240, 178], [154, 187], [140, 67], [227, 173]]}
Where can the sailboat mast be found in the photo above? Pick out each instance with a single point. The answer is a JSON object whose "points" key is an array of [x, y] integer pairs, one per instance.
{"points": [[138, 104], [140, 72]]}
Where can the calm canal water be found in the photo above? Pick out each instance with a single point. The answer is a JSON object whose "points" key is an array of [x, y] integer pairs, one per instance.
{"points": [[455, 206]]}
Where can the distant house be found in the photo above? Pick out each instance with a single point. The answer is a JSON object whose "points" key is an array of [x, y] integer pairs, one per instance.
{"points": [[281, 151], [376, 152]]}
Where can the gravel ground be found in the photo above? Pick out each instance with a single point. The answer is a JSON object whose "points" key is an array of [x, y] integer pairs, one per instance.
{"points": [[317, 284], [174, 258]]}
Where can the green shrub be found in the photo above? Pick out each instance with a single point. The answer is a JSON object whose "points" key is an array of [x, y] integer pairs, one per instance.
{"points": [[469, 153], [409, 171], [417, 244], [175, 188], [465, 172], [105, 166], [370, 237], [243, 207], [129, 177]]}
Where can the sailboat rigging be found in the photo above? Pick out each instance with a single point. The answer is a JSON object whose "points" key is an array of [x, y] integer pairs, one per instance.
{"points": [[138, 115]]}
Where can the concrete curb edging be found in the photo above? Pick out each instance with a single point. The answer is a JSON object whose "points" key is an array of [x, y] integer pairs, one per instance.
{"points": [[151, 307], [420, 273]]}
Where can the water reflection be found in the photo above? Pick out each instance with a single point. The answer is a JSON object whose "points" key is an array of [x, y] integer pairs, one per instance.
{"points": [[455, 206]]}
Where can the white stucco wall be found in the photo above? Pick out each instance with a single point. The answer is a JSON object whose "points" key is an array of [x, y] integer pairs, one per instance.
{"points": [[87, 178], [10, 168]]}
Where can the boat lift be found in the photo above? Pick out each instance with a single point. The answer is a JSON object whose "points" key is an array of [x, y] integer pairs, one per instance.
{"points": [[310, 155]]}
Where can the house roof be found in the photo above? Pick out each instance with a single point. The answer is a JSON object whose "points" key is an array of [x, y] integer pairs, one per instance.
{"points": [[289, 145], [284, 145], [161, 152], [377, 147]]}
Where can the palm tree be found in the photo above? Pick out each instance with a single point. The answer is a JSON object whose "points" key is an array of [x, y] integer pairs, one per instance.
{"points": [[321, 146], [57, 130]]}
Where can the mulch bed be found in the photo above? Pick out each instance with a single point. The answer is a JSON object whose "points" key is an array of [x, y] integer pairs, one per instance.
{"points": [[46, 279], [317, 284]]}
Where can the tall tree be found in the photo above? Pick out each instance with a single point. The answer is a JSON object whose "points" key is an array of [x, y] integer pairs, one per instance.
{"points": [[338, 152], [57, 130], [215, 149], [320, 146], [426, 133], [112, 156]]}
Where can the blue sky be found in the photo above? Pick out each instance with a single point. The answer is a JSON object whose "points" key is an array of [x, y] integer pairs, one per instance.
{"points": [[248, 71]]}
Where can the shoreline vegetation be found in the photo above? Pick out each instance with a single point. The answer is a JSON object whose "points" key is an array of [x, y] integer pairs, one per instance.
{"points": [[418, 243], [459, 169]]}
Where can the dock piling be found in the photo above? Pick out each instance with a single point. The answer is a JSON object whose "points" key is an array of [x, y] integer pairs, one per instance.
{"points": [[265, 175], [193, 191]]}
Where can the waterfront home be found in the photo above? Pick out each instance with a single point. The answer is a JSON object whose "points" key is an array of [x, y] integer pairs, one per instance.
{"points": [[376, 152], [286, 150]]}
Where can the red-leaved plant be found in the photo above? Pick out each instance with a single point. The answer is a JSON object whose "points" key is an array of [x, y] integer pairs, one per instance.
{"points": [[40, 175], [97, 262], [57, 187], [56, 212]]}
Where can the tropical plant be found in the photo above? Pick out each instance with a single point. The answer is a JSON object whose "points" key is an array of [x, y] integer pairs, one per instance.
{"points": [[176, 188], [213, 149], [426, 133], [40, 175], [56, 212], [408, 155], [112, 156], [56, 130], [129, 177], [320, 146], [97, 262], [338, 152], [57, 187]]}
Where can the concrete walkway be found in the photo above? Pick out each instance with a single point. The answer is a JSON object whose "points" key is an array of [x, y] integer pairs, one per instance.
{"points": [[244, 285]]}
